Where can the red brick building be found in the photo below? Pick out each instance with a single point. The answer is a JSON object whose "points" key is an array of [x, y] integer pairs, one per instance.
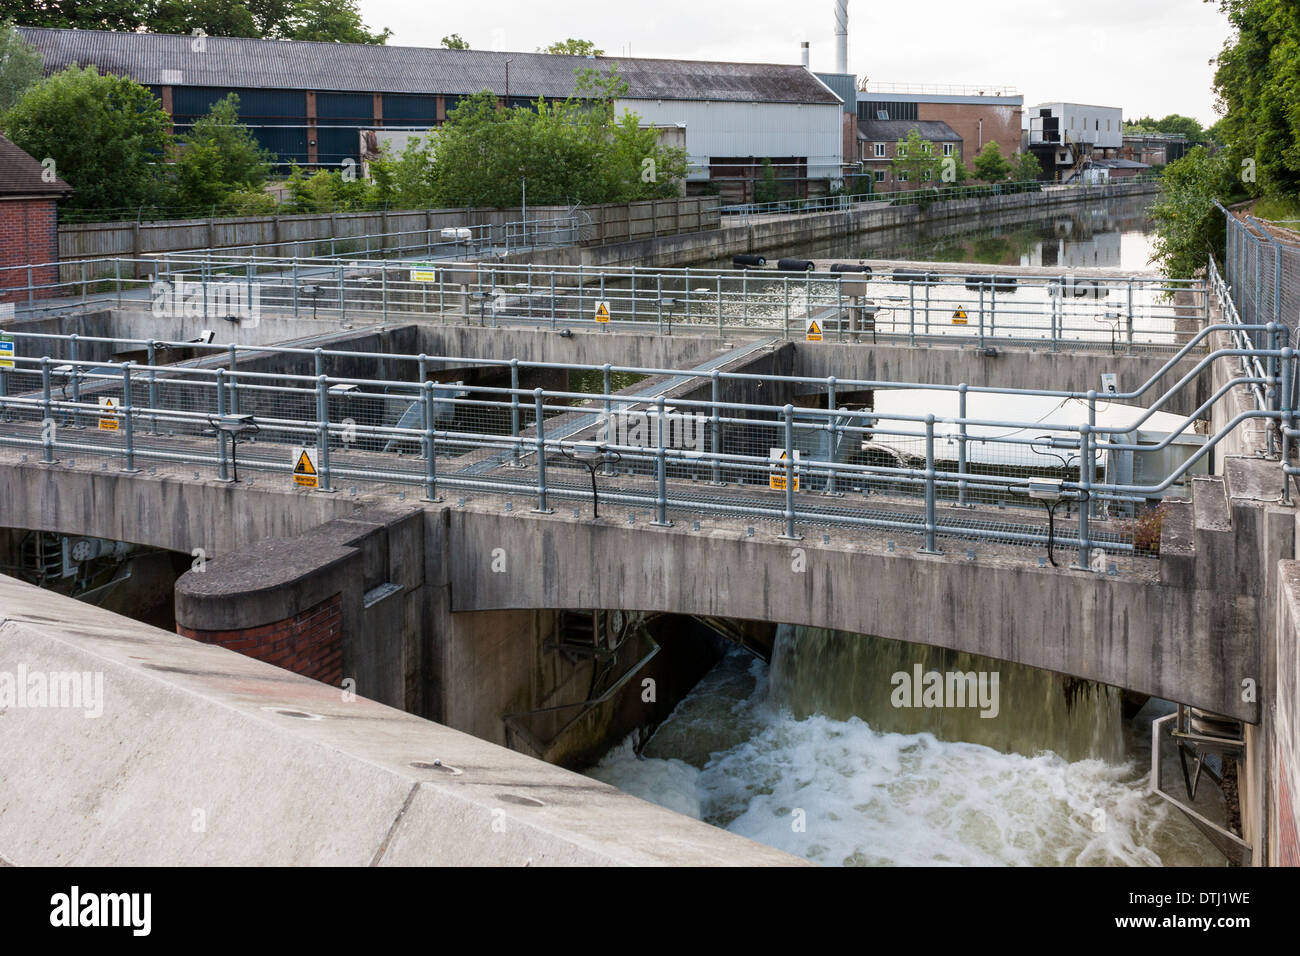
{"points": [[29, 225]]}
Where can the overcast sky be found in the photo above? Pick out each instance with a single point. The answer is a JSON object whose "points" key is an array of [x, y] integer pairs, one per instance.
{"points": [[1147, 56]]}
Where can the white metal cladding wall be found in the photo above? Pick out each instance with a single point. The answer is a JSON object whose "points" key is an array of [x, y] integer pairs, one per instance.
{"points": [[751, 129]]}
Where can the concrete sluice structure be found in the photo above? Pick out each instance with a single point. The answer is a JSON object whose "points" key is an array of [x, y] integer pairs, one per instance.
{"points": [[487, 507]]}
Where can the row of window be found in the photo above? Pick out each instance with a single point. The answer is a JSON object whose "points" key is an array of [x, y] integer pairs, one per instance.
{"points": [[880, 149], [881, 176]]}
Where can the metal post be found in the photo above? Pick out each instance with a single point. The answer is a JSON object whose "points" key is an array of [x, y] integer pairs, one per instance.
{"points": [[927, 305], [223, 463], [790, 533], [552, 298], [911, 313], [719, 278], [1286, 421], [295, 287], [151, 354], [661, 468], [839, 306], [323, 431], [930, 520], [541, 455], [833, 427], [234, 384], [75, 354], [1129, 324], [659, 300], [785, 284], [981, 315], [607, 378], [343, 309], [128, 420], [715, 429], [514, 410], [961, 445], [1087, 468], [48, 424], [430, 447]]}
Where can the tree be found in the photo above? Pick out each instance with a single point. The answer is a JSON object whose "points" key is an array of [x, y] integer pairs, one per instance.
{"points": [[106, 134], [326, 190], [455, 42], [572, 47], [765, 188], [330, 21], [1188, 226], [337, 21], [20, 66], [1258, 82], [915, 160], [217, 158], [1026, 168], [990, 165]]}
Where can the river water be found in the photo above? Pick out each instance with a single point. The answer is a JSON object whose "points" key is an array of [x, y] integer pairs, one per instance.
{"points": [[750, 751], [1113, 235]]}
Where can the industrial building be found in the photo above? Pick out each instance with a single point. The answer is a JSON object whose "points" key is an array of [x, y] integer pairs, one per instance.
{"points": [[1068, 138], [976, 114], [879, 141], [312, 103]]}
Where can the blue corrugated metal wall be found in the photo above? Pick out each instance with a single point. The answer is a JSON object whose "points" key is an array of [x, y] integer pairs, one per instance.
{"points": [[278, 118]]}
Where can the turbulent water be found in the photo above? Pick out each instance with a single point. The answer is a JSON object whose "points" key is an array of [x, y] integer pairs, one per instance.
{"points": [[833, 789]]}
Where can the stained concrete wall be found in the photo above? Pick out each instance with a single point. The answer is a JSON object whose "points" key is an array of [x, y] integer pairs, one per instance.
{"points": [[204, 757]]}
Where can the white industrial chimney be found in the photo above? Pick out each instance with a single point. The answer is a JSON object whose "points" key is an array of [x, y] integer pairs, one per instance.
{"points": [[841, 36], [803, 48]]}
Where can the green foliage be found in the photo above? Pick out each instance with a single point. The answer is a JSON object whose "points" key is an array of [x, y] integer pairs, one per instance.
{"points": [[1258, 82], [571, 151], [1173, 123], [990, 165], [106, 135], [1188, 225], [1025, 168], [405, 180], [337, 21], [572, 47], [326, 190], [249, 202], [455, 42], [765, 189], [219, 156], [915, 157], [20, 66]]}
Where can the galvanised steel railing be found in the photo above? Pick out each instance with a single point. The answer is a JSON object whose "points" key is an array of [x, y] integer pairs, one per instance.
{"points": [[741, 213], [1125, 313], [660, 452]]}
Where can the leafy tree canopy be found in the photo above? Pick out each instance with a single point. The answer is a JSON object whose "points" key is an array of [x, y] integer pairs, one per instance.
{"points": [[20, 66], [455, 42], [990, 165], [572, 47], [217, 158]]}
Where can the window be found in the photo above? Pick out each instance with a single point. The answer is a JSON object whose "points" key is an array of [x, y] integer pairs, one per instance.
{"points": [[880, 150], [927, 175], [927, 148], [880, 175], [901, 151], [947, 149], [902, 176]]}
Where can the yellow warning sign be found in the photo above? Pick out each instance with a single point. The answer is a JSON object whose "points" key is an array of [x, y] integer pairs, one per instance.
{"points": [[813, 331], [776, 480], [602, 311], [107, 414], [959, 317], [304, 469]]}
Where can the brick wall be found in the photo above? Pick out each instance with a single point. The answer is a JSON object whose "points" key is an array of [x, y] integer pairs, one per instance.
{"points": [[309, 643], [977, 124], [29, 233]]}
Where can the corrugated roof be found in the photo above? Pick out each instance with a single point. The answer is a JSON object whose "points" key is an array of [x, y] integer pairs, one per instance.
{"points": [[936, 131], [163, 60], [21, 175]]}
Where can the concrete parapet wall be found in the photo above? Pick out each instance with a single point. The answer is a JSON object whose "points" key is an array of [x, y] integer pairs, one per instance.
{"points": [[1284, 818], [204, 757]]}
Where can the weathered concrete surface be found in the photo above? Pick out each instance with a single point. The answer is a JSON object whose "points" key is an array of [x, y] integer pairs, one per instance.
{"points": [[204, 757], [1280, 744], [1173, 640]]}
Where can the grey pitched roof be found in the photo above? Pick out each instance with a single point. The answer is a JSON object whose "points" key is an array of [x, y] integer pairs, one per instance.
{"points": [[936, 131], [21, 175], [159, 59]]}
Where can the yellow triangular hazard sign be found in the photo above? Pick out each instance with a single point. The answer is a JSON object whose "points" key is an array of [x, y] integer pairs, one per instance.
{"points": [[107, 404], [304, 466], [959, 314], [814, 328], [602, 311]]}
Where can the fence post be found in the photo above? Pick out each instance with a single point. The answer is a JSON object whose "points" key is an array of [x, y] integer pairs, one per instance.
{"points": [[48, 424], [930, 521], [552, 298], [661, 468], [234, 384], [911, 312], [1286, 421], [715, 429], [295, 287], [541, 454], [323, 429], [1129, 327], [785, 283], [1087, 469], [514, 410], [790, 533], [607, 376], [719, 278], [430, 447], [128, 420], [981, 315], [961, 445], [223, 462], [75, 353], [833, 427]]}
